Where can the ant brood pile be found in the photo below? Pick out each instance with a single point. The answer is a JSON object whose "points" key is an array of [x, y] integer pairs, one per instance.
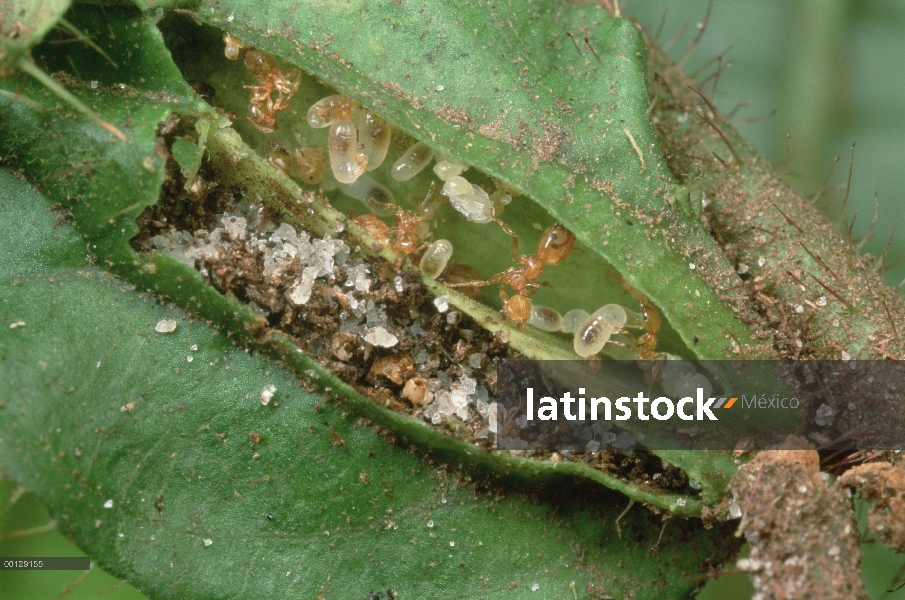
{"points": [[406, 349], [358, 143]]}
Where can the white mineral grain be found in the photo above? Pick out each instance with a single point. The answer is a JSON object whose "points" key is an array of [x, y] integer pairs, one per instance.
{"points": [[267, 394], [442, 303], [285, 232], [301, 292], [235, 227], [379, 336], [165, 326]]}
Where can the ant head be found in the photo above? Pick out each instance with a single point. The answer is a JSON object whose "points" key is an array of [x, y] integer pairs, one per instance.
{"points": [[555, 245]]}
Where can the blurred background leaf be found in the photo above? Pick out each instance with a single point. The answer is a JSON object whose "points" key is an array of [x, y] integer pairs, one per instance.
{"points": [[826, 72], [829, 74]]}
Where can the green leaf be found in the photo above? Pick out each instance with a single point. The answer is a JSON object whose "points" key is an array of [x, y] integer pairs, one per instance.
{"points": [[106, 194], [23, 23], [495, 85], [26, 529], [145, 446]]}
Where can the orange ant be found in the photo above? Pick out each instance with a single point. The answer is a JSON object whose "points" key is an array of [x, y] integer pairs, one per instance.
{"points": [[554, 246], [263, 107], [650, 319], [411, 228], [646, 343]]}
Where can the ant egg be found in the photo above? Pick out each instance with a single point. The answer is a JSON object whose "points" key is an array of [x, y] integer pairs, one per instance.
{"points": [[347, 164], [375, 137], [412, 162], [326, 111], [376, 197], [573, 319], [592, 335], [457, 186], [476, 206], [434, 260], [446, 169], [233, 46], [545, 318]]}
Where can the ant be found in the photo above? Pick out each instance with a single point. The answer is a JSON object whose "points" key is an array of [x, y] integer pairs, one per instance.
{"points": [[554, 246], [263, 107], [411, 228], [650, 319], [646, 343]]}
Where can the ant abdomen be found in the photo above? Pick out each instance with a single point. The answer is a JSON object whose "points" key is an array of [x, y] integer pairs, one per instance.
{"points": [[259, 64], [592, 335], [518, 309], [555, 245], [458, 273], [435, 258]]}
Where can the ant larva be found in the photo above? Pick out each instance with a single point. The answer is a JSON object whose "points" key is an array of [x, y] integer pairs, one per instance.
{"points": [[263, 107], [358, 141], [554, 246]]}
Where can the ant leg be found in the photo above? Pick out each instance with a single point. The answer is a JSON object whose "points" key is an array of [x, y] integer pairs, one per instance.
{"points": [[514, 246], [491, 281], [431, 202]]}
